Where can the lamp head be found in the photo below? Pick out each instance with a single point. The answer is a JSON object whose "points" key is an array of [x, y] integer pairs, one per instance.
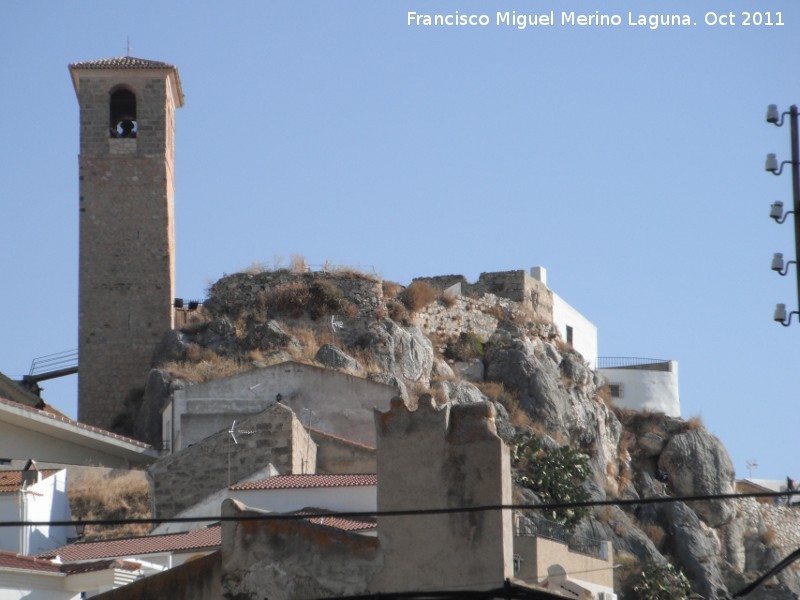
{"points": [[780, 313], [776, 210], [777, 261], [772, 113], [772, 163]]}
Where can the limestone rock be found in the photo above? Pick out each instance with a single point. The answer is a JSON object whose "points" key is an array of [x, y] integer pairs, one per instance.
{"points": [[402, 351], [697, 463], [694, 545], [333, 358], [391, 380], [461, 392], [472, 370]]}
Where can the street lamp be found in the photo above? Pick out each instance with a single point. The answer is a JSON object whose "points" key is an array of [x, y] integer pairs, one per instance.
{"points": [[776, 210]]}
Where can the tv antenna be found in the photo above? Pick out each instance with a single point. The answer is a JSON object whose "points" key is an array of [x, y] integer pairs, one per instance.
{"points": [[751, 464], [335, 325], [233, 432]]}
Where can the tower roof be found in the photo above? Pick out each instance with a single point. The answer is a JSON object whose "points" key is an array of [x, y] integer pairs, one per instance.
{"points": [[128, 63]]}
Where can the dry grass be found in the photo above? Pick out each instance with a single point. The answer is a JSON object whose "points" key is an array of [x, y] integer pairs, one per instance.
{"points": [[298, 264], [397, 310], [695, 422], [418, 295], [391, 289], [205, 369], [655, 532], [97, 496], [768, 536], [604, 514], [448, 300]]}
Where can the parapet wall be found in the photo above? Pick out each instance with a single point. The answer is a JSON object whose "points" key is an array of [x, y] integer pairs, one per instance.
{"points": [[518, 286], [442, 458]]}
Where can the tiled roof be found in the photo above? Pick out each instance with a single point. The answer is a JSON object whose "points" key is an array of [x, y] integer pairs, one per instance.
{"points": [[77, 424], [12, 560], [100, 565], [285, 482], [121, 62], [11, 481], [343, 523], [209, 537]]}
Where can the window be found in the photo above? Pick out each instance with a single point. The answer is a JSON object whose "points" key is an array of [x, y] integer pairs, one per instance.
{"points": [[122, 112], [569, 334], [615, 389]]}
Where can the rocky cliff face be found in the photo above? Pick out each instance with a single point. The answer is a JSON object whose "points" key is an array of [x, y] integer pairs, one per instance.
{"points": [[490, 349]]}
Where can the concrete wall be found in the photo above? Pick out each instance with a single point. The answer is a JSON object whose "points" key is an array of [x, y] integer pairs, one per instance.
{"points": [[337, 455], [539, 554], [584, 332], [433, 458], [293, 560], [183, 479], [328, 400], [127, 239], [646, 389]]}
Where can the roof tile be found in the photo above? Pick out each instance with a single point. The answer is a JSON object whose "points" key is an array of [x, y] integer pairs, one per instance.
{"points": [[121, 62], [11, 481], [285, 482], [12, 560], [209, 537]]}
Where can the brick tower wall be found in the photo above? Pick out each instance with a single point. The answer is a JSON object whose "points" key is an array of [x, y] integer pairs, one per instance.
{"points": [[127, 239]]}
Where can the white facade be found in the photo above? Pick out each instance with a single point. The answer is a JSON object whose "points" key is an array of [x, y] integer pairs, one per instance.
{"points": [[45, 500], [652, 387], [574, 328]]}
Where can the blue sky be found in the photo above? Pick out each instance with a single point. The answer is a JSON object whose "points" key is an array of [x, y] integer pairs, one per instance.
{"points": [[628, 161]]}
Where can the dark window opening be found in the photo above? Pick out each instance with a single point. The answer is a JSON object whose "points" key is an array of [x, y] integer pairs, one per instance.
{"points": [[123, 114], [615, 389], [569, 334]]}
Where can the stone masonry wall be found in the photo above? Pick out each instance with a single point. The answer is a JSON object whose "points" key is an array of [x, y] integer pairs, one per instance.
{"points": [[183, 479], [517, 286], [127, 240]]}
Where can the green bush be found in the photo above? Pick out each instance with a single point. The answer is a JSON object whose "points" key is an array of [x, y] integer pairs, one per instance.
{"points": [[556, 476], [662, 582]]}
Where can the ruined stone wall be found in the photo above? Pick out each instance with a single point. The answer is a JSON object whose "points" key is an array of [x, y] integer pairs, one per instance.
{"points": [[432, 458], [516, 286], [183, 479], [336, 455], [127, 240]]}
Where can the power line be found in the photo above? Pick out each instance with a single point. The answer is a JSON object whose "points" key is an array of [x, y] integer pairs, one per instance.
{"points": [[397, 513]]}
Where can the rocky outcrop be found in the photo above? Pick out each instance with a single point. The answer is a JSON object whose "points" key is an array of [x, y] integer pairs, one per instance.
{"points": [[401, 351], [698, 464]]}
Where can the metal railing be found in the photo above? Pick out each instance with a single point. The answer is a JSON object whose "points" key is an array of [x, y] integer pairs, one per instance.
{"points": [[535, 526], [633, 362], [54, 362]]}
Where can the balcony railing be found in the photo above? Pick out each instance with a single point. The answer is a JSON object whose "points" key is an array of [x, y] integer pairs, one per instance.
{"points": [[633, 362], [535, 526]]}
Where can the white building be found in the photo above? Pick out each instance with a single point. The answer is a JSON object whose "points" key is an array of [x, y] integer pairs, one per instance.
{"points": [[643, 384], [33, 495]]}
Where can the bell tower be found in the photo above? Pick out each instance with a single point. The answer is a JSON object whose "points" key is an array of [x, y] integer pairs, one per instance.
{"points": [[127, 231]]}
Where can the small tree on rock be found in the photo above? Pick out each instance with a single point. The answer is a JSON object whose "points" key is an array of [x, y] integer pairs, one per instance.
{"points": [[662, 581]]}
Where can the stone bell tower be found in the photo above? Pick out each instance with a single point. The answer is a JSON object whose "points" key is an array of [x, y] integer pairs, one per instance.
{"points": [[127, 230]]}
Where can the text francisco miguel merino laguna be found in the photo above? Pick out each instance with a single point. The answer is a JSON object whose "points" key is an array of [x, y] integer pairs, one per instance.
{"points": [[547, 19]]}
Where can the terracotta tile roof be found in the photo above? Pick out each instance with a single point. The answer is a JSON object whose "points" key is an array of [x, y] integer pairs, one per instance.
{"points": [[285, 482], [11, 481], [121, 62], [12, 560], [67, 420], [343, 523], [100, 565], [209, 537]]}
